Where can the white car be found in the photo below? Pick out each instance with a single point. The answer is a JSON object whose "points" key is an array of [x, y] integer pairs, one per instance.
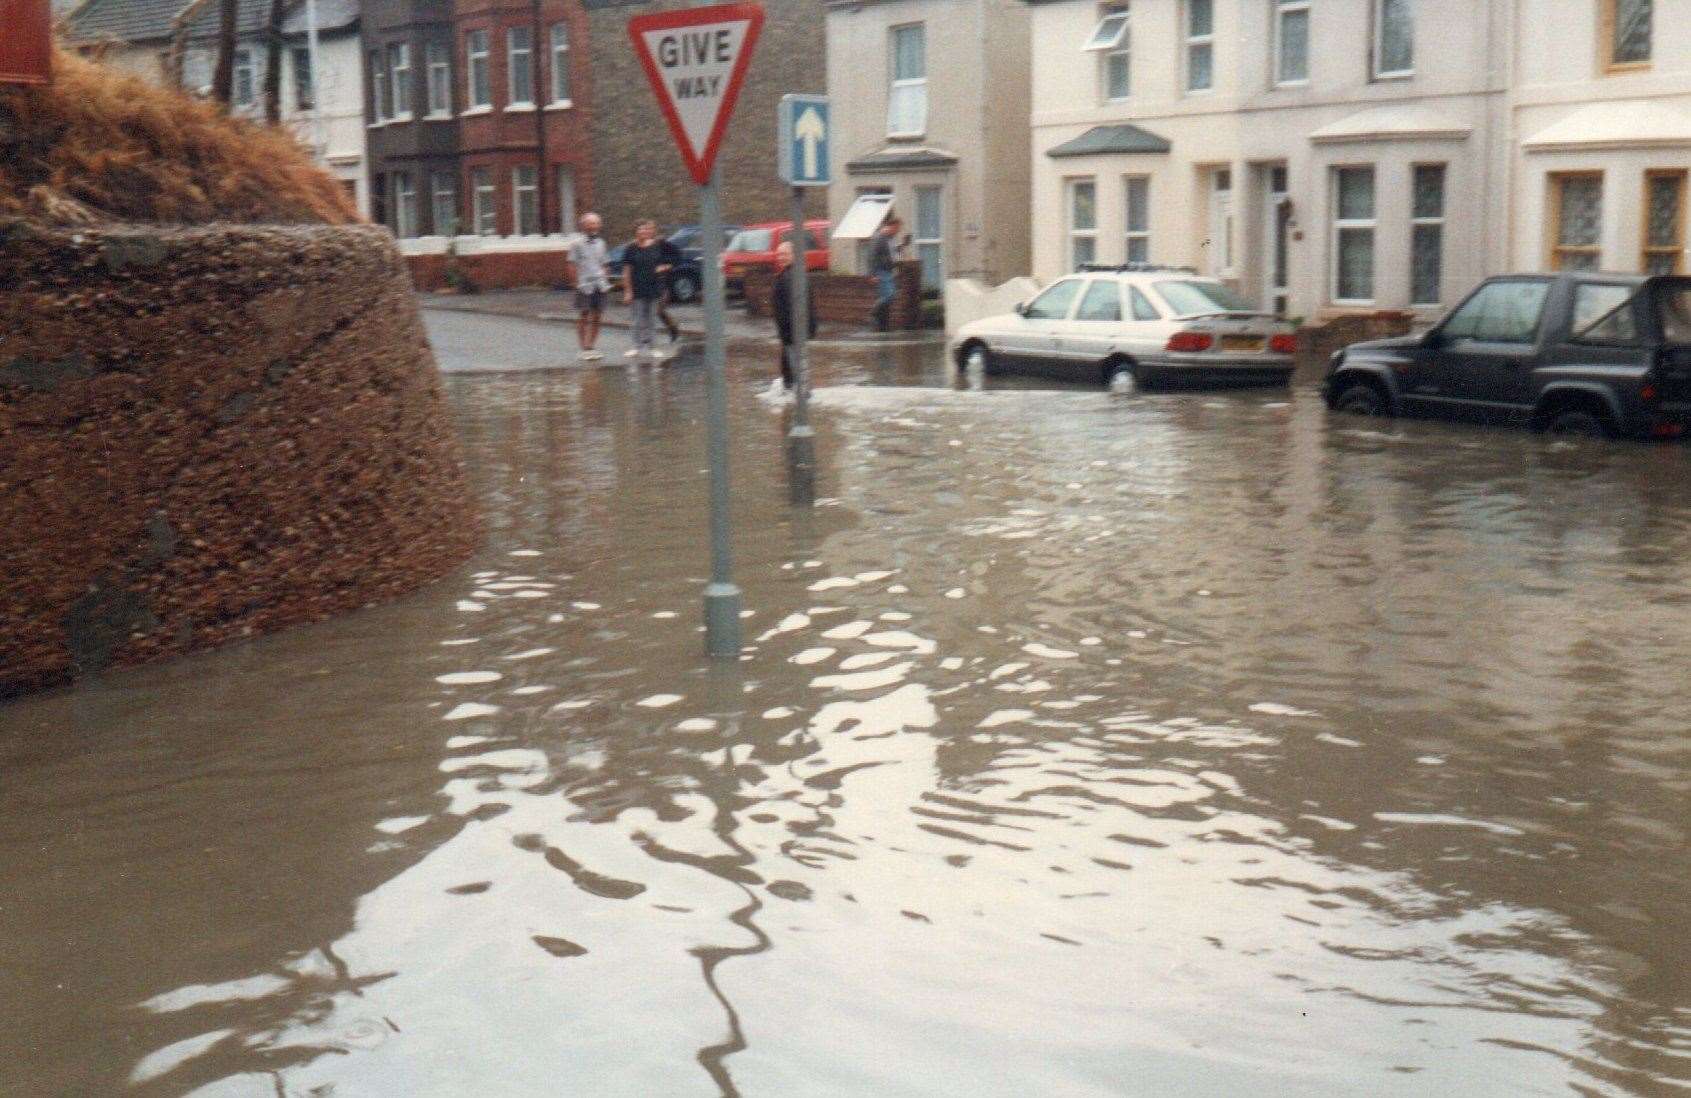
{"points": [[1157, 324]]}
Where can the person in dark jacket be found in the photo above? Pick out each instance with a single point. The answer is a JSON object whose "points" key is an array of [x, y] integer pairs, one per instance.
{"points": [[781, 303], [673, 258]]}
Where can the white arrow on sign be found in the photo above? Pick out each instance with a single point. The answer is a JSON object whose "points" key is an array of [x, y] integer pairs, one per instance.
{"points": [[810, 131]]}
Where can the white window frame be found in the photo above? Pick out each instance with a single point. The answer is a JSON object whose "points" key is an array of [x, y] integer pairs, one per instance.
{"points": [[1372, 224], [379, 101], [1191, 43], [404, 205], [519, 189], [484, 207], [518, 99], [399, 81], [559, 43], [438, 57], [1380, 72], [1418, 222], [566, 198], [478, 59], [1130, 235], [1283, 8], [910, 84], [1112, 40], [1072, 233], [437, 192], [243, 65]]}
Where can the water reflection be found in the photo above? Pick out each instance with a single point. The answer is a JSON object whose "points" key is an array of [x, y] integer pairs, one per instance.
{"points": [[1090, 743]]}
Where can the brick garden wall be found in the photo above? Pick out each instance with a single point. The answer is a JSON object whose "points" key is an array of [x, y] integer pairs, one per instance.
{"points": [[847, 300], [494, 270], [210, 433], [637, 170], [1321, 340]]}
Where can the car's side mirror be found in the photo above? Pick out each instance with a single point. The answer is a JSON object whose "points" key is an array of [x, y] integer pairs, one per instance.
{"points": [[1021, 308]]}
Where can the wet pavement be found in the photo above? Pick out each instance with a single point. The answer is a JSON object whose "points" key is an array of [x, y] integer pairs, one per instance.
{"points": [[1086, 743]]}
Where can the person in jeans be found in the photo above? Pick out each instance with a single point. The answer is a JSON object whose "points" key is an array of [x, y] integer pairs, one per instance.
{"points": [[644, 266], [883, 265], [781, 304], [592, 283], [673, 257]]}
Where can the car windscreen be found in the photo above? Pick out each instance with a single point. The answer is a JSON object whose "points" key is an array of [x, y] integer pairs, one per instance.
{"points": [[1673, 305], [751, 240], [1197, 298]]}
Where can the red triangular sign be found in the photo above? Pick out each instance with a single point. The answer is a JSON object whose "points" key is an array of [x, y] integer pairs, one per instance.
{"points": [[696, 60]]}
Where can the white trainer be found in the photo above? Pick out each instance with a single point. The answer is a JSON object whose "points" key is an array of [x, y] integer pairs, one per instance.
{"points": [[591, 356], [632, 352]]}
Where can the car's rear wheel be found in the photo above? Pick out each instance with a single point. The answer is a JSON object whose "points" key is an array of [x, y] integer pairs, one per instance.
{"points": [[1359, 398], [1577, 423], [977, 359], [1116, 372], [684, 287]]}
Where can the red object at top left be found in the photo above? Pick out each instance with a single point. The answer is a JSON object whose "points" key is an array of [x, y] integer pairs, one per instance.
{"points": [[26, 42]]}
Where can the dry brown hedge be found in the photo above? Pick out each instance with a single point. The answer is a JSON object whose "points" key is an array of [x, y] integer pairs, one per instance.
{"points": [[101, 145]]}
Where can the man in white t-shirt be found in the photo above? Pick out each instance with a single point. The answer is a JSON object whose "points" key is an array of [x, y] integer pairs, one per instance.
{"points": [[592, 283]]}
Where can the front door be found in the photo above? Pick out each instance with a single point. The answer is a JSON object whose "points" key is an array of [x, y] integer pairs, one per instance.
{"points": [[1220, 264], [1277, 233]]}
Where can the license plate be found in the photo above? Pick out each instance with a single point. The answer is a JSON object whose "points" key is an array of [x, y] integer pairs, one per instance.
{"points": [[1243, 343]]}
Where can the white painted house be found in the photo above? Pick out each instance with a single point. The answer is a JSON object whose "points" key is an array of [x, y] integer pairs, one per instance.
{"points": [[1335, 155], [324, 106]]}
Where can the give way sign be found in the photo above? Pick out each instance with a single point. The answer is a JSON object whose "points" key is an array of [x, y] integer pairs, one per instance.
{"points": [[696, 60]]}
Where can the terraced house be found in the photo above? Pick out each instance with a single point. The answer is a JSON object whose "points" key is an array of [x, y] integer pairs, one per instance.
{"points": [[475, 116], [1335, 155], [508, 118]]}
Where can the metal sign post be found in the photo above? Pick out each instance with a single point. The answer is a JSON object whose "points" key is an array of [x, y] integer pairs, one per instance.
{"points": [[696, 60], [803, 155], [722, 595]]}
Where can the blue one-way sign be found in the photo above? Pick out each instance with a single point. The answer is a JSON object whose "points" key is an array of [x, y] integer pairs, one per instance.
{"points": [[804, 140]]}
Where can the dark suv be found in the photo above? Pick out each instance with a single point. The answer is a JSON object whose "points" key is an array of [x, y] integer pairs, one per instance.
{"points": [[1572, 354]]}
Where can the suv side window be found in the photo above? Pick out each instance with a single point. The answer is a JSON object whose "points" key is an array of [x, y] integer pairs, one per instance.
{"points": [[1054, 303], [1499, 312], [1604, 313], [1102, 301], [1142, 307]]}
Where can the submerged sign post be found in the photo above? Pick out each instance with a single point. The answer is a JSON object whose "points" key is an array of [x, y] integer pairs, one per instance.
{"points": [[696, 61], [802, 155]]}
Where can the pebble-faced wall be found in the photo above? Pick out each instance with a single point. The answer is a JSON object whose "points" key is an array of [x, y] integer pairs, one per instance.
{"points": [[208, 433]]}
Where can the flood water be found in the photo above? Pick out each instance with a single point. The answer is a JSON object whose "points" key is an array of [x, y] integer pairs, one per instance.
{"points": [[1085, 744]]}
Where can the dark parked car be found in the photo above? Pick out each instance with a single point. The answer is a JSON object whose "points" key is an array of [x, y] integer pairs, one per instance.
{"points": [[1571, 354], [685, 281]]}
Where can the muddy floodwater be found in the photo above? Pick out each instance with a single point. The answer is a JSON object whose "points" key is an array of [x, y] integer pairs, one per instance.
{"points": [[1085, 744]]}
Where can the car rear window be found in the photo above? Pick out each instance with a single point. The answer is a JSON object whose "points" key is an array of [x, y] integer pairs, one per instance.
{"points": [[811, 243], [1194, 298], [1673, 302], [1603, 313], [752, 240]]}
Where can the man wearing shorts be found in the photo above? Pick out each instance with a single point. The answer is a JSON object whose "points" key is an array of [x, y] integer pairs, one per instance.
{"points": [[592, 283]]}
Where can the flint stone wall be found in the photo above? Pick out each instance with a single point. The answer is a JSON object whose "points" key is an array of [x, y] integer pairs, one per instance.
{"points": [[208, 433]]}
